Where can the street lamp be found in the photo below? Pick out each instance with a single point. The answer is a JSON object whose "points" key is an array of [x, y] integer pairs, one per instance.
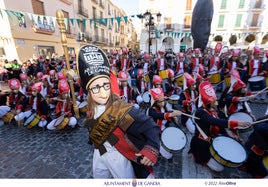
{"points": [[150, 23]]}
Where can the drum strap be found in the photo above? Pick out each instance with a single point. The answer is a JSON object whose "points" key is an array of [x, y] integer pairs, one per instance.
{"points": [[115, 116]]}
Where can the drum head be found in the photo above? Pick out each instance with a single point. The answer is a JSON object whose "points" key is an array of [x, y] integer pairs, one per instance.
{"points": [[256, 79], [212, 72], [59, 120], [146, 97], [29, 119], [241, 116], [173, 139], [174, 97], [229, 149], [51, 126], [81, 105]]}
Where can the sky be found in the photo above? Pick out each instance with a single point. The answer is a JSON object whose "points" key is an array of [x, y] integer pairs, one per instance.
{"points": [[131, 7]]}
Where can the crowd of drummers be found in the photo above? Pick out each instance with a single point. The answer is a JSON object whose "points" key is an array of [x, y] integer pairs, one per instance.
{"points": [[176, 89]]}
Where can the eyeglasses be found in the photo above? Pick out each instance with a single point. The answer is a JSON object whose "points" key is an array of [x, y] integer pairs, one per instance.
{"points": [[106, 86]]}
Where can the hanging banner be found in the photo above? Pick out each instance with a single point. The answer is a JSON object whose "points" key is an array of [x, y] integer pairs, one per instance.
{"points": [[118, 19]]}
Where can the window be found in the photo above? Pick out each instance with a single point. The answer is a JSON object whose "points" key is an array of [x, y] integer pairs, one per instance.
{"points": [[241, 4], [258, 4], [68, 28], [221, 21], [238, 20], [94, 12], [38, 7], [189, 5], [46, 50], [223, 4], [2, 52], [254, 21], [187, 21], [168, 23]]}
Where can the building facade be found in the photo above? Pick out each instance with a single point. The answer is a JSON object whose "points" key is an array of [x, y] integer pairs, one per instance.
{"points": [[30, 30], [235, 23]]}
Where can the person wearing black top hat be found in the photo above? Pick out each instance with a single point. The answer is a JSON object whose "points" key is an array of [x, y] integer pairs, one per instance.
{"points": [[126, 141]]}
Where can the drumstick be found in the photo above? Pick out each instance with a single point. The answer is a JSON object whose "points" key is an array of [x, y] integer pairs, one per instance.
{"points": [[259, 92], [219, 83], [259, 121], [190, 116]]}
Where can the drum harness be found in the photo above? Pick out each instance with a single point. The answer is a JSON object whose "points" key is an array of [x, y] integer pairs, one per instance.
{"points": [[102, 129]]}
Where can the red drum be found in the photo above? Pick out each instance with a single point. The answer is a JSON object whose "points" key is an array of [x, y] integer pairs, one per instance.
{"points": [[256, 83]]}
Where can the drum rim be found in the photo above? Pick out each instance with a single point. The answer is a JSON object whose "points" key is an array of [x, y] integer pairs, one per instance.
{"points": [[256, 77], [243, 128], [235, 164], [171, 150], [62, 125]]}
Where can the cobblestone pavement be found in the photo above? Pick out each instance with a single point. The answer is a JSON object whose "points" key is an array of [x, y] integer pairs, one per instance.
{"points": [[39, 153], [42, 154]]}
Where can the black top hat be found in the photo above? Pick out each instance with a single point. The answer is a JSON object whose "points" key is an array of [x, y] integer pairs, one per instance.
{"points": [[92, 63]]}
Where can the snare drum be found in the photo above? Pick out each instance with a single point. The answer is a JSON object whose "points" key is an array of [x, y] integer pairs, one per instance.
{"points": [[83, 107], [163, 74], [227, 151], [7, 118], [244, 132], [146, 78], [174, 99], [265, 162], [241, 116], [32, 120], [227, 81], [214, 77], [146, 97], [61, 122], [256, 83], [179, 79], [164, 152], [173, 139]]}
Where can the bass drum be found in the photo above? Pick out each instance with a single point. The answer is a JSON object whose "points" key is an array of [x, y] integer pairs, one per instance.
{"points": [[227, 151], [173, 139]]}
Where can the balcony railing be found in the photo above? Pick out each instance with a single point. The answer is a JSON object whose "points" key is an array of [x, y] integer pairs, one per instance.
{"points": [[82, 11], [100, 39]]}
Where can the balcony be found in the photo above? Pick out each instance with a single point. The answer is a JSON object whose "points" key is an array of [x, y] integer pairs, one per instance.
{"points": [[102, 5], [169, 27], [82, 11], [68, 2], [83, 37], [100, 39], [95, 1]]}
